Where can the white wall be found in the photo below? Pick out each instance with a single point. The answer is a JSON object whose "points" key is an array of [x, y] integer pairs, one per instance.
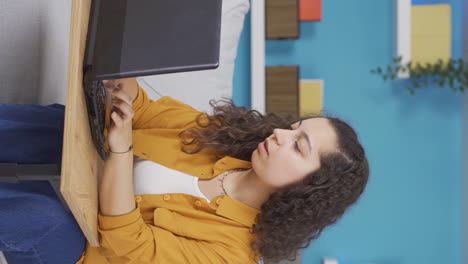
{"points": [[34, 38], [54, 44], [19, 50]]}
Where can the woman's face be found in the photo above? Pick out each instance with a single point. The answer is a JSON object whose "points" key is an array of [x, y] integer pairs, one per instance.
{"points": [[293, 153]]}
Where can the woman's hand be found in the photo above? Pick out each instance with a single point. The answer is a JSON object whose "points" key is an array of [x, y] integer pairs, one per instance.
{"points": [[120, 132]]}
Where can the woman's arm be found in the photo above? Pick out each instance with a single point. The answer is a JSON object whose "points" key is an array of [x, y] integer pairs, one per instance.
{"points": [[116, 196]]}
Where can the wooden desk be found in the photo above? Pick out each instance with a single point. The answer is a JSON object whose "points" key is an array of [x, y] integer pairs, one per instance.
{"points": [[81, 164]]}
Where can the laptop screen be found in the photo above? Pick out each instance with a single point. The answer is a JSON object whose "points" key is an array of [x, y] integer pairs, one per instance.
{"points": [[129, 38]]}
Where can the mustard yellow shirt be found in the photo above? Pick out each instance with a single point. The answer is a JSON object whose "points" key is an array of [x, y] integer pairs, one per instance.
{"points": [[175, 227]]}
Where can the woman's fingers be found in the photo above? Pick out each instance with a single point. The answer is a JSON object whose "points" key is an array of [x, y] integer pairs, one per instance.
{"points": [[125, 108], [117, 119], [108, 83], [119, 93]]}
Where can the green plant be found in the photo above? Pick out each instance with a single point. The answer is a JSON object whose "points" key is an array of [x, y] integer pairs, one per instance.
{"points": [[454, 73]]}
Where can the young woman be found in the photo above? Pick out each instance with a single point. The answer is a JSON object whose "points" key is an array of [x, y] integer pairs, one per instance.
{"points": [[235, 186], [263, 186]]}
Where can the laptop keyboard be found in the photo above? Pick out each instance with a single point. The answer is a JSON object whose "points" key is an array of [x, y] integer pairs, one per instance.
{"points": [[96, 98]]}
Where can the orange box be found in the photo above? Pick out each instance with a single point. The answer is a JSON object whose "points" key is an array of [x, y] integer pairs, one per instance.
{"points": [[310, 10]]}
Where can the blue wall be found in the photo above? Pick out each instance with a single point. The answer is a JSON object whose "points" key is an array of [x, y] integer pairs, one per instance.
{"points": [[410, 212]]}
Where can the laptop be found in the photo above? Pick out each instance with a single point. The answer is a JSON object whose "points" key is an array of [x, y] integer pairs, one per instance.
{"points": [[145, 37]]}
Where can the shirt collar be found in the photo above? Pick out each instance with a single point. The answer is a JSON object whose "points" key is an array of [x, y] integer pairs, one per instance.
{"points": [[229, 163], [237, 211], [230, 207]]}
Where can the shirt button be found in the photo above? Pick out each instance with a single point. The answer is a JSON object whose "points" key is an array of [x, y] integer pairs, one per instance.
{"points": [[218, 201], [197, 203], [138, 199], [166, 197]]}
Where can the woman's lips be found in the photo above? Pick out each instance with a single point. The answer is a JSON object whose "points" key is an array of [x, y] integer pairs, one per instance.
{"points": [[262, 147]]}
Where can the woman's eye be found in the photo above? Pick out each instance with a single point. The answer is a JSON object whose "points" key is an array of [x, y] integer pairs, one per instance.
{"points": [[297, 147]]}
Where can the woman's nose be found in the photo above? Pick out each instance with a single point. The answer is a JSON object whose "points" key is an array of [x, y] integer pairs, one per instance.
{"points": [[278, 135]]}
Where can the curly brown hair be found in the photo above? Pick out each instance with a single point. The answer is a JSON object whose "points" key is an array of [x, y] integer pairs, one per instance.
{"points": [[297, 214]]}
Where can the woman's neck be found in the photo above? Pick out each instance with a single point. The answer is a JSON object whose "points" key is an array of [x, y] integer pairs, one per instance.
{"points": [[246, 187]]}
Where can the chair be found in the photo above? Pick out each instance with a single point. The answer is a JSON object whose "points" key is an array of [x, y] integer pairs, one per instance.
{"points": [[14, 172]]}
